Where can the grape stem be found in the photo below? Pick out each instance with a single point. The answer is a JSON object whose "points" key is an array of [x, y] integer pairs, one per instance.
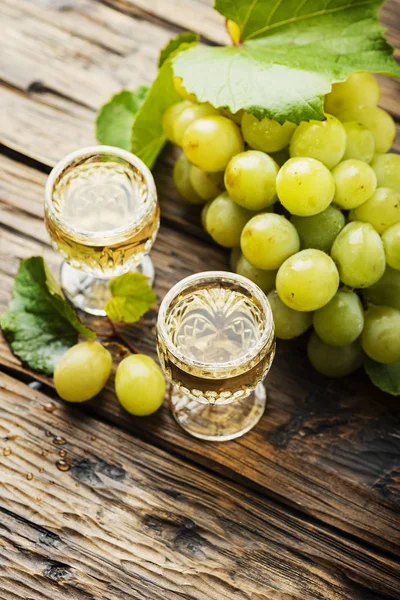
{"points": [[117, 335]]}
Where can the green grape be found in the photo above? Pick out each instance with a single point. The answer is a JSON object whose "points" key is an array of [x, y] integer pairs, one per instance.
{"points": [[264, 279], [180, 175], [386, 291], [140, 385], [359, 89], [82, 372], [387, 170], [225, 221], [334, 361], [305, 186], [382, 210], [266, 135], [187, 116], [321, 230], [206, 185], [377, 120], [267, 240], [391, 243], [380, 338], [341, 321], [355, 182], [211, 142], [360, 143], [234, 256], [235, 117], [250, 179], [323, 140], [169, 118], [307, 280], [289, 323], [182, 91], [204, 213], [281, 156], [359, 255]]}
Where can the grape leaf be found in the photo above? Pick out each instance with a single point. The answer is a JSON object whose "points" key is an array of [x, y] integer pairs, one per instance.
{"points": [[174, 43], [40, 325], [132, 297], [291, 54], [115, 118], [385, 377]]}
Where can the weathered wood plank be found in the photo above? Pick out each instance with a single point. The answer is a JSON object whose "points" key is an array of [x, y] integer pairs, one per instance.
{"points": [[128, 520]]}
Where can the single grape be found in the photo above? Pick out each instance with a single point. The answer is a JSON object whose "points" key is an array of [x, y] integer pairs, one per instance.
{"points": [[267, 240], [206, 185], [377, 120], [204, 213], [169, 118], [323, 140], [140, 385], [211, 142], [234, 256], [360, 143], [182, 91], [264, 279], [250, 179], [386, 291], [82, 372], [355, 182], [289, 323], [234, 31], [359, 89], [266, 135], [180, 175], [387, 170], [187, 116], [380, 338], [334, 361], [225, 221], [321, 230], [305, 186], [391, 243], [359, 255], [235, 117], [341, 321], [381, 210]]}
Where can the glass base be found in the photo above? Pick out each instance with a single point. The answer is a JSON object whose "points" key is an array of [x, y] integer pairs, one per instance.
{"points": [[218, 423], [89, 293]]}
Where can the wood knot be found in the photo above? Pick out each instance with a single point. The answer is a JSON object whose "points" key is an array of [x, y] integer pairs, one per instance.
{"points": [[57, 571]]}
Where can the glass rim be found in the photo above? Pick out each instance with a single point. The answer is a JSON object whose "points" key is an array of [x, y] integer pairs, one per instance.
{"points": [[86, 152], [212, 276]]}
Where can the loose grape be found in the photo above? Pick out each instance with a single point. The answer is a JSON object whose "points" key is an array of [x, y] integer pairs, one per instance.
{"points": [[334, 361], [264, 279], [386, 291], [305, 186], [358, 89], [266, 135], [211, 142], [82, 372], [250, 179], [341, 321], [321, 230], [387, 170], [182, 91], [169, 118], [355, 182], [360, 143], [289, 323], [380, 338], [234, 257], [180, 175], [225, 221], [323, 140], [187, 116], [391, 243], [307, 280], [382, 210], [267, 240], [140, 385], [377, 120], [206, 185], [359, 255]]}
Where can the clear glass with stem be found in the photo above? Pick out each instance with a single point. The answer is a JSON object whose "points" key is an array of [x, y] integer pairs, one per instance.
{"points": [[102, 215], [216, 343]]}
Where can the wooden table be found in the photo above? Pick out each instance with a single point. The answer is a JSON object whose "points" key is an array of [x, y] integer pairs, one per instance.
{"points": [[304, 507]]}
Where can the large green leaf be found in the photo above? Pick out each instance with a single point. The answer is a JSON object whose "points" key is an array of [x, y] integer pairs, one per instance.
{"points": [[385, 377], [187, 37], [293, 50], [40, 325]]}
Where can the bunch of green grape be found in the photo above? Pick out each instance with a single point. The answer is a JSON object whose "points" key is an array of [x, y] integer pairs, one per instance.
{"points": [[311, 213]]}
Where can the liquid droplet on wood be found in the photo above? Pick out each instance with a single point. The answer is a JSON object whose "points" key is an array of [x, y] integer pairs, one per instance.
{"points": [[41, 470], [48, 433], [59, 441], [62, 453], [62, 465], [29, 476], [49, 407], [44, 453], [7, 451], [11, 438]]}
